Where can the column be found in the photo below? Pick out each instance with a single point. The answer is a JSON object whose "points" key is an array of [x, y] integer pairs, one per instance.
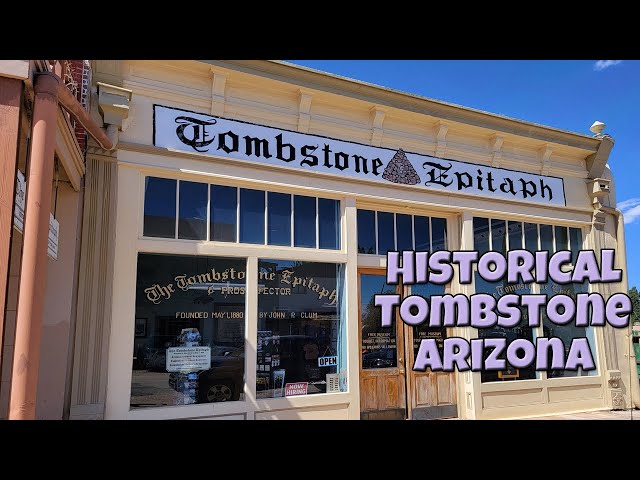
{"points": [[34, 257]]}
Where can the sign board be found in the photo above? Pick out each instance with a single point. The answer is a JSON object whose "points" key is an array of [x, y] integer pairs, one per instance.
{"points": [[188, 359], [330, 361], [18, 217], [210, 135], [54, 233], [21, 193], [293, 389]]}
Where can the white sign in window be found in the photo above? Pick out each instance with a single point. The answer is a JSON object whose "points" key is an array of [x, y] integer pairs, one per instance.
{"points": [[188, 359]]}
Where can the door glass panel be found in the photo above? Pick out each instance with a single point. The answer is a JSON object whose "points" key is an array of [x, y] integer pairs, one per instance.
{"points": [[424, 331], [378, 344]]}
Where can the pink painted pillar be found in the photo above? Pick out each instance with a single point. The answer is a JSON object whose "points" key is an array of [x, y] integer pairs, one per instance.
{"points": [[33, 274]]}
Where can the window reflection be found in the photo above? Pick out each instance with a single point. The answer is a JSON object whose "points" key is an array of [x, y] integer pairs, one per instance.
{"points": [[189, 330], [378, 344], [301, 337]]}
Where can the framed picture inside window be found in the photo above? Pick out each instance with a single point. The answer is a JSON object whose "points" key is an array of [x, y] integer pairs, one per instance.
{"points": [[141, 327]]}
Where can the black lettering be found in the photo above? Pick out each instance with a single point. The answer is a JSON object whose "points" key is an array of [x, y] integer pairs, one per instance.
{"points": [[260, 145], [377, 163], [326, 151], [479, 178], [280, 146], [200, 133], [507, 183], [440, 177], [528, 193], [544, 186], [222, 142], [358, 158], [461, 183], [490, 182], [342, 160], [307, 156]]}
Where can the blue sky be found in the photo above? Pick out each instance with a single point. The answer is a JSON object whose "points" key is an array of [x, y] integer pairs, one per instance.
{"points": [[565, 94]]}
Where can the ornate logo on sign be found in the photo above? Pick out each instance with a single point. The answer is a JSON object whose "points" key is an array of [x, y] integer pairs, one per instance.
{"points": [[199, 129]]}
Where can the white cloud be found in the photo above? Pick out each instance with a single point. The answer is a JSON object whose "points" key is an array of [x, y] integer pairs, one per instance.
{"points": [[602, 64], [630, 209]]}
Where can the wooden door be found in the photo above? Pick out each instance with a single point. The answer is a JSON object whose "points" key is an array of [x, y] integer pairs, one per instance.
{"points": [[382, 359], [430, 394]]}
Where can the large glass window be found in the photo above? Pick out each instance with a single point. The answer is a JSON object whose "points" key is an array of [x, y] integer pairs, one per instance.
{"points": [[192, 222], [188, 331], [498, 235], [159, 207], [301, 347]]}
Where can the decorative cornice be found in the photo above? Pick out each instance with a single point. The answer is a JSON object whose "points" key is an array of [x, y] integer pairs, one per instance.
{"points": [[113, 103]]}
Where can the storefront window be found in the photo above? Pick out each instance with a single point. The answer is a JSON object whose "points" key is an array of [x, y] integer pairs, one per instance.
{"points": [[189, 330], [159, 207], [502, 236], [301, 347]]}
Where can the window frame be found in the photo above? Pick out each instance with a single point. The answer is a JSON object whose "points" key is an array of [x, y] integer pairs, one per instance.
{"points": [[119, 395]]}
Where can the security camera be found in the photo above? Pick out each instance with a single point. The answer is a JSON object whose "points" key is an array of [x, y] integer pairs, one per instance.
{"points": [[597, 127]]}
